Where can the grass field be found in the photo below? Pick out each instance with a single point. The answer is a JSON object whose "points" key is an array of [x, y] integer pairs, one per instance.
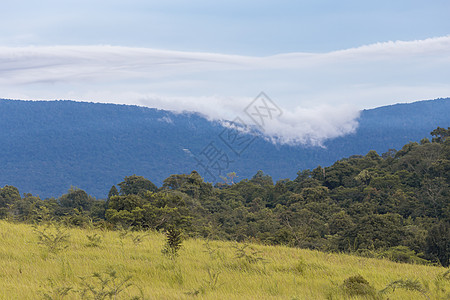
{"points": [[203, 270]]}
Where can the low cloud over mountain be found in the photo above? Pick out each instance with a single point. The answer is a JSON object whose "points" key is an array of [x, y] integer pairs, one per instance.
{"points": [[319, 93]]}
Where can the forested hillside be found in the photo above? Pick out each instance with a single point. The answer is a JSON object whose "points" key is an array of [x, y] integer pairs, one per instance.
{"points": [[48, 146], [395, 205]]}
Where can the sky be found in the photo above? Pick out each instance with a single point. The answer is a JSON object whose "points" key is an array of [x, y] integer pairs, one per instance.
{"points": [[320, 61]]}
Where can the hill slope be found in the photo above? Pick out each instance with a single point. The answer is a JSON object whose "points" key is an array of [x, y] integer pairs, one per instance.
{"points": [[210, 270], [47, 146]]}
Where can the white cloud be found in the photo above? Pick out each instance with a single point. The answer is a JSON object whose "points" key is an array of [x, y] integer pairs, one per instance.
{"points": [[166, 119], [320, 93], [313, 125]]}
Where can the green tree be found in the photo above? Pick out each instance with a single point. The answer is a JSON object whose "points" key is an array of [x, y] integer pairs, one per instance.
{"points": [[24, 208], [340, 223], [262, 179], [440, 134], [135, 185], [113, 192], [165, 210], [127, 202], [364, 177], [8, 196], [379, 231], [76, 198], [438, 243], [151, 210]]}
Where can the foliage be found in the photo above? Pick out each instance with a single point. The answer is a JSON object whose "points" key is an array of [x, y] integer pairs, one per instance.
{"points": [[358, 286], [113, 192], [94, 240], [8, 196], [105, 285], [57, 292], [138, 238], [407, 284], [53, 237], [440, 134], [135, 185], [402, 254], [174, 240], [76, 199], [438, 242], [247, 253], [213, 280]]}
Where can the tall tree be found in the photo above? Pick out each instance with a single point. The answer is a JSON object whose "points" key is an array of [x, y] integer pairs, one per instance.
{"points": [[440, 134], [135, 185], [438, 243], [75, 198], [113, 192]]}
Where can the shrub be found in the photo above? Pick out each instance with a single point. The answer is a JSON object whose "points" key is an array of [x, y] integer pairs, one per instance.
{"points": [[104, 286], [54, 240], [407, 284], [174, 239], [94, 240], [358, 286], [248, 253], [402, 254]]}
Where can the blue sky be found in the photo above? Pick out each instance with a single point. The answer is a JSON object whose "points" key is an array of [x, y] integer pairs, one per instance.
{"points": [[316, 59], [232, 27]]}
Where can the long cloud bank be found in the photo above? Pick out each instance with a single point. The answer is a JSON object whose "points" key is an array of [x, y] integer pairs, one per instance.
{"points": [[320, 93]]}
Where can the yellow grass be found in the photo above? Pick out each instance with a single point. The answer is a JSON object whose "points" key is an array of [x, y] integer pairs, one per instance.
{"points": [[28, 270]]}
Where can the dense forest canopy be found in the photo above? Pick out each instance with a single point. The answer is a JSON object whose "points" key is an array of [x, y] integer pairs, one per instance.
{"points": [[395, 205]]}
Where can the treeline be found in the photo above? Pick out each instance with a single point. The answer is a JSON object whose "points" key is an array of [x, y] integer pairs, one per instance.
{"points": [[395, 205]]}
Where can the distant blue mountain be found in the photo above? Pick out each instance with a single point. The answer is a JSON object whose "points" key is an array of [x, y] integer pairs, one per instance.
{"points": [[48, 146]]}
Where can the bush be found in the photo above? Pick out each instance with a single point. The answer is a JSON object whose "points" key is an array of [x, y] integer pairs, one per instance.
{"points": [[358, 286], [54, 240], [406, 284], [174, 239], [402, 254]]}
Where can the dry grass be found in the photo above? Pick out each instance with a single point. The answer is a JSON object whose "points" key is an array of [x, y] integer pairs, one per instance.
{"points": [[202, 270]]}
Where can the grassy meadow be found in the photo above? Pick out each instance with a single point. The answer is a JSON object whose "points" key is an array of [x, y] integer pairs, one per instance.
{"points": [[131, 265]]}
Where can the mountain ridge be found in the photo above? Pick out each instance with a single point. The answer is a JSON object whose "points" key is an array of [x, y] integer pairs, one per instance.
{"points": [[48, 146]]}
